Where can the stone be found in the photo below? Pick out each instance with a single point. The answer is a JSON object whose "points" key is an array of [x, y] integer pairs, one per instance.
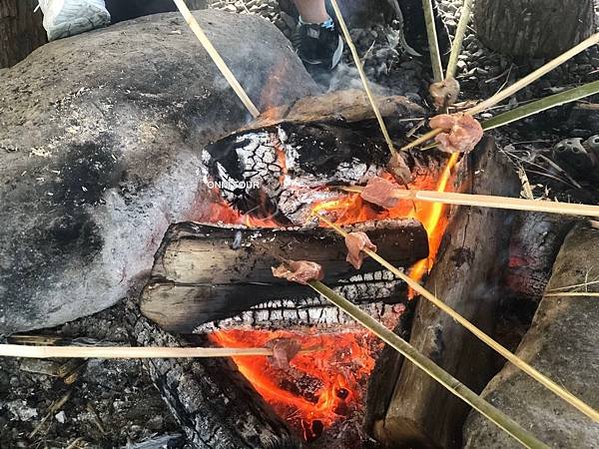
{"points": [[101, 137], [562, 344]]}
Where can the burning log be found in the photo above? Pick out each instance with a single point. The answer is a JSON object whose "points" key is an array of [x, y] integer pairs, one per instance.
{"points": [[213, 402], [464, 277], [276, 164], [204, 273]]}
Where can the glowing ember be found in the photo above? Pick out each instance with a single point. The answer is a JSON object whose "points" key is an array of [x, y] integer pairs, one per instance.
{"points": [[319, 388]]}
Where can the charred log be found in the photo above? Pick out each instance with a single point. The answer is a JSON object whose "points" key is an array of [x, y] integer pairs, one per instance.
{"points": [[471, 260], [215, 405], [275, 164], [204, 273]]}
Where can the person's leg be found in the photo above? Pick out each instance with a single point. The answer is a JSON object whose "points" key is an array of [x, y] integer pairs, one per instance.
{"points": [[63, 18], [316, 39], [312, 11]]}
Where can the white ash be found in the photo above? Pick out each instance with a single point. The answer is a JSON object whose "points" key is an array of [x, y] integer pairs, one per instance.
{"points": [[366, 290]]}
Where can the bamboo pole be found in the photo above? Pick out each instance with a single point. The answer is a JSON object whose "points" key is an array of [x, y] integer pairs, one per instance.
{"points": [[428, 366], [365, 82], [433, 41], [512, 358], [456, 47], [216, 57], [120, 352], [572, 294], [492, 201]]}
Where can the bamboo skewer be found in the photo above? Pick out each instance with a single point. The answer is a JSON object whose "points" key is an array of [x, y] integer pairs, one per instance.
{"points": [[120, 352], [492, 201], [514, 88], [458, 39], [542, 71], [365, 83], [433, 41], [428, 366], [216, 57], [512, 358]]}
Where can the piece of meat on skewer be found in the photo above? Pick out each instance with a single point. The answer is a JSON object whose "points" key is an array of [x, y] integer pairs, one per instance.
{"points": [[356, 243]]}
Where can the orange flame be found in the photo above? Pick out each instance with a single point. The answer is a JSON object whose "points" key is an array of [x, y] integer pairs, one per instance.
{"points": [[320, 387]]}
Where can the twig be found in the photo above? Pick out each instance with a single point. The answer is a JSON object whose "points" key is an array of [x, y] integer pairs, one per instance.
{"points": [[218, 60], [521, 84], [365, 83], [75, 443], [492, 201], [120, 352], [428, 366], [433, 41], [514, 359], [456, 47], [573, 287]]}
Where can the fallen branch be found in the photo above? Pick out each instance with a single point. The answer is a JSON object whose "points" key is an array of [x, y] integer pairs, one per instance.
{"points": [[120, 352], [365, 83], [512, 358], [216, 57], [428, 366], [491, 201]]}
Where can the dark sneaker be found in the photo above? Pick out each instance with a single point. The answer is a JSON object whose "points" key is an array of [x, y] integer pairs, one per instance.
{"points": [[318, 44]]}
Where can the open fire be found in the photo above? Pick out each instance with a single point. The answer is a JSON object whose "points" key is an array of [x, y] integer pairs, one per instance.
{"points": [[323, 388]]}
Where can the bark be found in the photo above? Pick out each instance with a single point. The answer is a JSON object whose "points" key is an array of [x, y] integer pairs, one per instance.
{"points": [[533, 28], [201, 275], [21, 30], [472, 256]]}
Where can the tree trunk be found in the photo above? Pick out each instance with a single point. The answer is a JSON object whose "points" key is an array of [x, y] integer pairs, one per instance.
{"points": [[21, 30], [533, 28]]}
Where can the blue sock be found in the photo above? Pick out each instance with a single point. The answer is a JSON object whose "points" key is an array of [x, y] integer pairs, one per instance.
{"points": [[328, 24]]}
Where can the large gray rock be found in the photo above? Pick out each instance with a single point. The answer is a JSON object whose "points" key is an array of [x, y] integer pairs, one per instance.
{"points": [[100, 150], [563, 343]]}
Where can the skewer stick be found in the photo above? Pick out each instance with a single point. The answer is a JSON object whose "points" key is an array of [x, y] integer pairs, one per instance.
{"points": [[521, 84], [456, 48], [365, 83], [491, 201], [428, 366], [218, 60], [516, 87], [512, 358], [433, 40], [120, 352]]}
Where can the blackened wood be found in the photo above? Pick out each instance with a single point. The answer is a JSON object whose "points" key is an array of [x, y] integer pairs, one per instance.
{"points": [[465, 276], [533, 28], [204, 273], [534, 245], [214, 404], [21, 30]]}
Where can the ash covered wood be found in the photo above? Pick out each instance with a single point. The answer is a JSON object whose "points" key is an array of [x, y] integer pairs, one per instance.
{"points": [[214, 404], [204, 273], [275, 165], [465, 276]]}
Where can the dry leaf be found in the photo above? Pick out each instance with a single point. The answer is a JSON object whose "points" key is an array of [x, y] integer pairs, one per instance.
{"points": [[445, 93], [300, 271], [379, 191], [462, 132], [356, 242]]}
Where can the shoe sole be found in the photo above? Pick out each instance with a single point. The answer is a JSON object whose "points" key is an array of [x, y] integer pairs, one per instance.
{"points": [[94, 18]]}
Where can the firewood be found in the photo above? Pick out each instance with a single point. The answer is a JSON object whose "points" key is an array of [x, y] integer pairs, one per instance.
{"points": [[203, 274]]}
